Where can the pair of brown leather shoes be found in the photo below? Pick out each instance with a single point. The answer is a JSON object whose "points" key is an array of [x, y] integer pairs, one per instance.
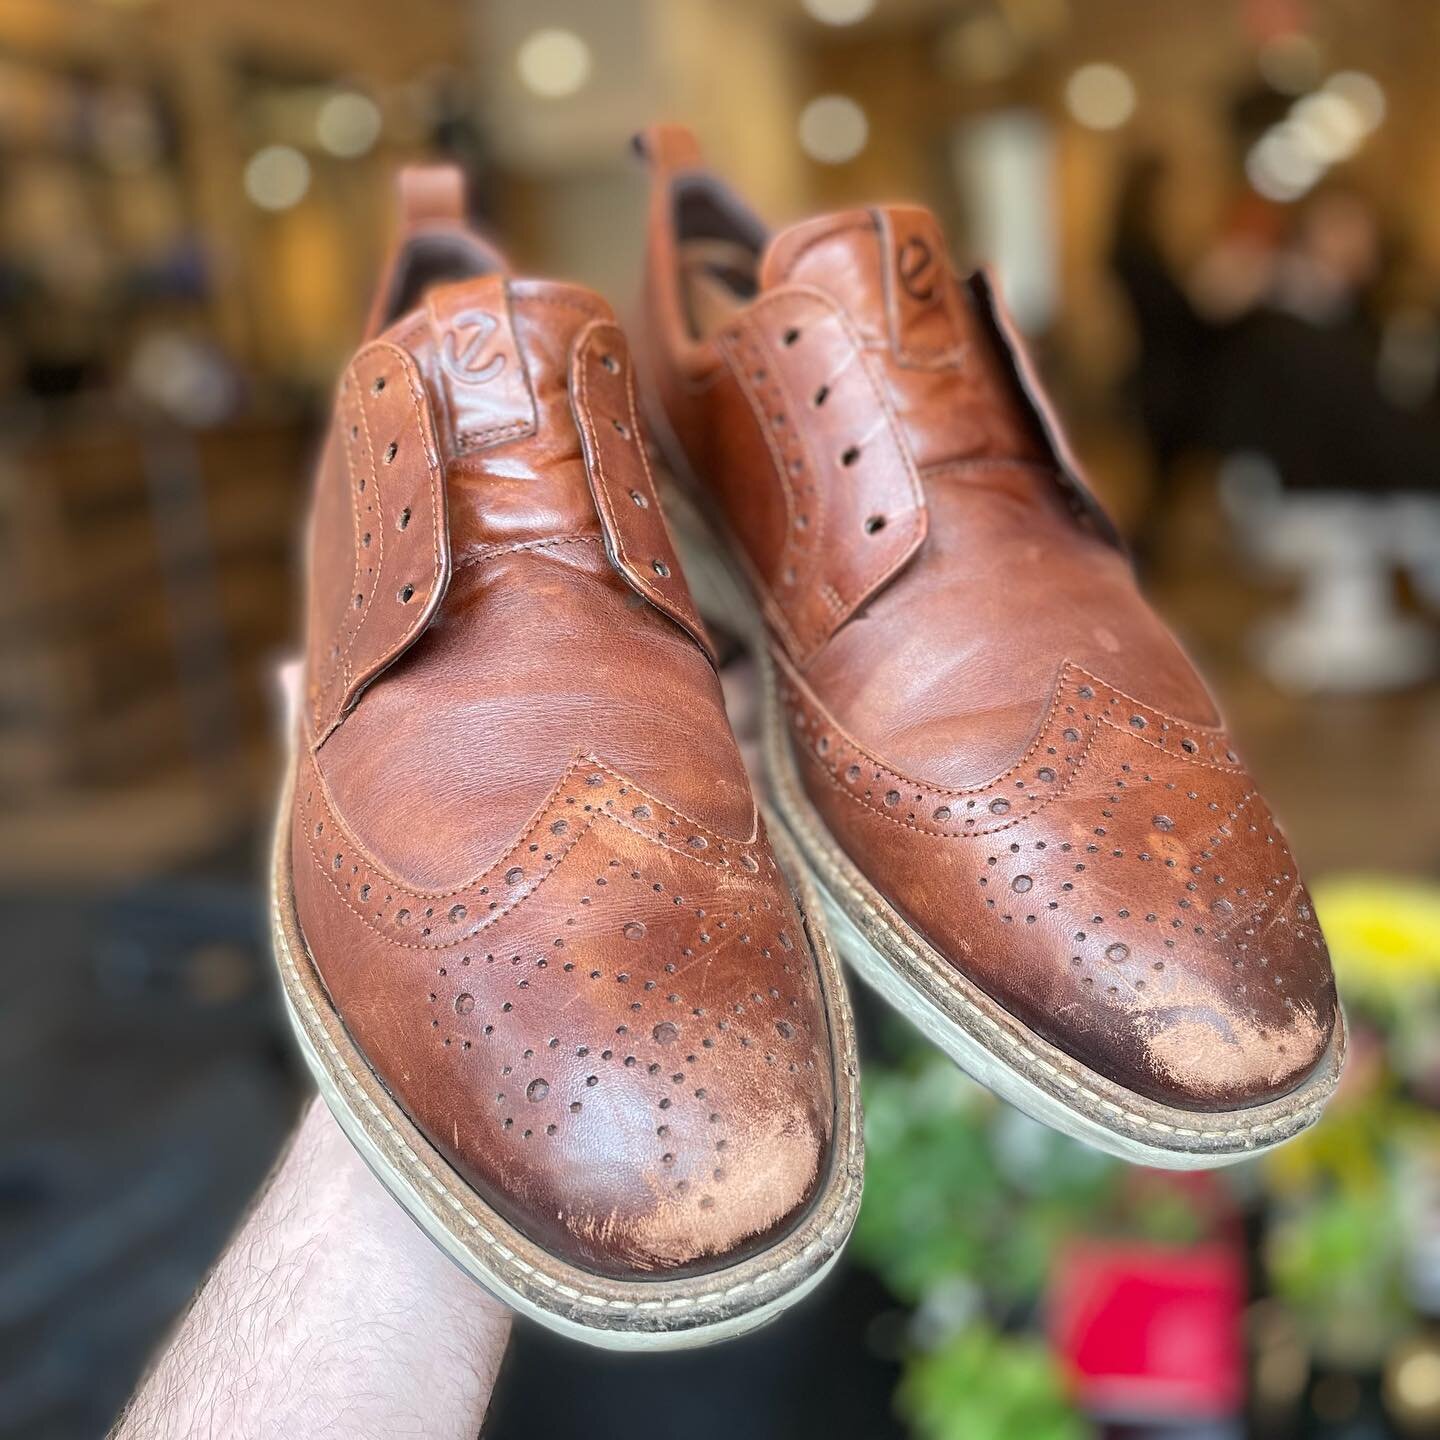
{"points": [[558, 981]]}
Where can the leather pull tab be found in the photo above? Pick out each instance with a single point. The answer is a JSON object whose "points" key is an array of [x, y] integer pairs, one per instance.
{"points": [[432, 235], [430, 195], [668, 146], [920, 294], [482, 378], [637, 540]]}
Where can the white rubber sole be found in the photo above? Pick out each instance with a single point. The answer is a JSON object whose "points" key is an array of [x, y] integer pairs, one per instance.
{"points": [[631, 1315], [417, 1204], [1180, 1144]]}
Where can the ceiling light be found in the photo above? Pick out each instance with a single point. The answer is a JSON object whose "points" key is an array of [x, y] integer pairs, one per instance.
{"points": [[1280, 166], [1100, 96], [554, 63], [838, 12], [1328, 125], [1363, 92], [833, 129], [348, 124], [277, 177]]}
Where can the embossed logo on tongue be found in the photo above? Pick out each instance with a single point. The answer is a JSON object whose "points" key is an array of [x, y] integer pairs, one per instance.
{"points": [[889, 268], [480, 370], [916, 265], [926, 328], [466, 352]]}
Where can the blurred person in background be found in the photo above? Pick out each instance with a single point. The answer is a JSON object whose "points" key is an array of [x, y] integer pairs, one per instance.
{"points": [[1272, 344], [1177, 349], [1299, 380]]}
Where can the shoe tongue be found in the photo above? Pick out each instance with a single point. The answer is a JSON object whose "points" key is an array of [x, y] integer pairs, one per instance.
{"points": [[499, 354], [958, 375], [888, 267]]}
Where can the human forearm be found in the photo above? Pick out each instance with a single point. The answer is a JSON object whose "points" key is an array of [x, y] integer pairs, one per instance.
{"points": [[328, 1314]]}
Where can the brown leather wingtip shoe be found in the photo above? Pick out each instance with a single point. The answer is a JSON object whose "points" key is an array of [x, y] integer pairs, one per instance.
{"points": [[1030, 830], [535, 943]]}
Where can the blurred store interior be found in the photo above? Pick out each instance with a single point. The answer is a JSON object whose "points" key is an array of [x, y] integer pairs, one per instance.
{"points": [[1219, 223]]}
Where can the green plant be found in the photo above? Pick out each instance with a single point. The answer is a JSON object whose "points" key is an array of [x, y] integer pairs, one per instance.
{"points": [[983, 1385], [962, 1187], [967, 1203]]}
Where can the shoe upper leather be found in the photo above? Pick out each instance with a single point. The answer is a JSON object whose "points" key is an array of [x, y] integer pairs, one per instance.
{"points": [[528, 863], [989, 718]]}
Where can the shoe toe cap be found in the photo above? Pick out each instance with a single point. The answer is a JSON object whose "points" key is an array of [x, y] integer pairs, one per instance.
{"points": [[673, 1133], [631, 1064], [1235, 1018], [1161, 935], [636, 1189], [1123, 890]]}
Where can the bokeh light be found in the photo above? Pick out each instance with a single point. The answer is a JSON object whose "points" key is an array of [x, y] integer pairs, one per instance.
{"points": [[833, 129], [839, 12], [1100, 96], [554, 63], [277, 177], [348, 124]]}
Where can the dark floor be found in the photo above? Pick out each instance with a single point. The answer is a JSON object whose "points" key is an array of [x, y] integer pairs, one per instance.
{"points": [[814, 1372], [143, 1095]]}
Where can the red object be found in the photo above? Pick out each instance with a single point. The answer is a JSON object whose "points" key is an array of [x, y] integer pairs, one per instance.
{"points": [[1150, 1332]]}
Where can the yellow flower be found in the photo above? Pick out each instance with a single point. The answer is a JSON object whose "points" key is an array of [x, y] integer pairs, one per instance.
{"points": [[1384, 935]]}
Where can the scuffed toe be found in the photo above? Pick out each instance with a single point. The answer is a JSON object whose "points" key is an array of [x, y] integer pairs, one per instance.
{"points": [[621, 1042], [1123, 890]]}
